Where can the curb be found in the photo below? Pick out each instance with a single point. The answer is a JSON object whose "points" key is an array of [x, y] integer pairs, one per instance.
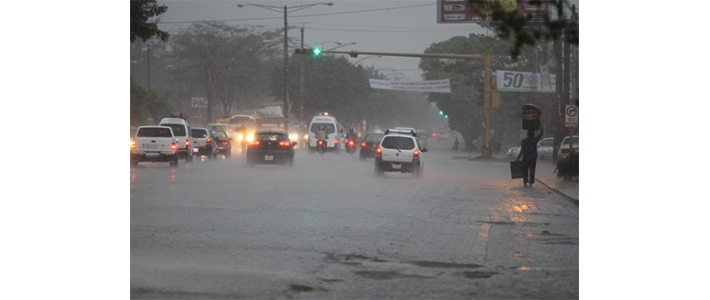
{"points": [[567, 197]]}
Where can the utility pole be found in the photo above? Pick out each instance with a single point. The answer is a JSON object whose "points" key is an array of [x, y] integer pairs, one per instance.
{"points": [[285, 71], [147, 80], [303, 79]]}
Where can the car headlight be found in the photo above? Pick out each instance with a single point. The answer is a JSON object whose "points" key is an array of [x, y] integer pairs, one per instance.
{"points": [[293, 136], [305, 136], [250, 138], [240, 137]]}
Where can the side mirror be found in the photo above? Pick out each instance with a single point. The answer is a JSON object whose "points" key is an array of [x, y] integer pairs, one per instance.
{"points": [[294, 143], [341, 130], [424, 150]]}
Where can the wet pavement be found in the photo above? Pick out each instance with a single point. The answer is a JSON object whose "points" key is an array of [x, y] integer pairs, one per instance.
{"points": [[329, 228]]}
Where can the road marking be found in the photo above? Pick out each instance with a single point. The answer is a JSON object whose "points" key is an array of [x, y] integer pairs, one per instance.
{"points": [[480, 246]]}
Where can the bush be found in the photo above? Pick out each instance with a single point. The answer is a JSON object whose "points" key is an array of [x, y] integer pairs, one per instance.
{"points": [[568, 168]]}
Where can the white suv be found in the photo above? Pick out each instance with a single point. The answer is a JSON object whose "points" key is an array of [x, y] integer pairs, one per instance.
{"points": [[182, 132], [399, 153]]}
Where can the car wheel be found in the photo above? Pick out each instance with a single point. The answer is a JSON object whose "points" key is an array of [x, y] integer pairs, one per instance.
{"points": [[362, 157], [419, 171], [228, 153], [378, 170], [174, 162], [290, 163], [134, 163]]}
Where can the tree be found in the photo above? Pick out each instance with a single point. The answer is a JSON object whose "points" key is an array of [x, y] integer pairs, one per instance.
{"points": [[510, 25], [224, 62], [146, 103], [141, 12]]}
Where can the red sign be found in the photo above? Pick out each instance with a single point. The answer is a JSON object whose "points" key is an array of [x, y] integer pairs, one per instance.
{"points": [[463, 11]]}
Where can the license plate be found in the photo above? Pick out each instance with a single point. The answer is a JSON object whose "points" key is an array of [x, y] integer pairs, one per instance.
{"points": [[396, 166], [268, 157], [152, 154], [195, 149], [152, 146]]}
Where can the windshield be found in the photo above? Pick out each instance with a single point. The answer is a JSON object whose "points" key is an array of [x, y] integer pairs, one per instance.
{"points": [[178, 129], [374, 137], [199, 133], [328, 127], [398, 142], [154, 132], [575, 141], [220, 134]]}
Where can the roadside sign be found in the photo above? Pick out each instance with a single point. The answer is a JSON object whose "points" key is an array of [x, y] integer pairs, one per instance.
{"points": [[198, 102], [464, 11], [513, 81], [571, 116]]}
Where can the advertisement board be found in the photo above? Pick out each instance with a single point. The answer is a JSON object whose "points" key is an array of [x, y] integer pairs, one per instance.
{"points": [[464, 11]]}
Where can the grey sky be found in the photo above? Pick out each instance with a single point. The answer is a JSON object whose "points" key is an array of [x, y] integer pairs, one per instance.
{"points": [[398, 30]]}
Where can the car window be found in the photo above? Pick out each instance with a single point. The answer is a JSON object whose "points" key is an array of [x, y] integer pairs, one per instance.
{"points": [[270, 136], [199, 133], [178, 129], [575, 141], [374, 137], [397, 142], [219, 134], [154, 132], [327, 127], [546, 143]]}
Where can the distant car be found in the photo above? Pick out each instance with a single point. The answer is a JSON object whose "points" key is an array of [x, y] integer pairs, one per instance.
{"points": [[399, 153], [154, 144], [223, 142], [563, 151], [513, 152], [545, 148], [270, 146], [204, 144], [369, 143]]}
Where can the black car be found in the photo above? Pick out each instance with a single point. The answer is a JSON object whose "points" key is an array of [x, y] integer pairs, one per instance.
{"points": [[369, 143], [270, 146], [223, 142]]}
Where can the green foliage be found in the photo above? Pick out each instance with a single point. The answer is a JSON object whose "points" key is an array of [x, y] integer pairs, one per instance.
{"points": [[224, 62], [147, 103], [141, 27], [509, 25]]}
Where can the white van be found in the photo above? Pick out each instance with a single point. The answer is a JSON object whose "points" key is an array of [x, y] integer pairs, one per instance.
{"points": [[181, 131], [331, 127]]}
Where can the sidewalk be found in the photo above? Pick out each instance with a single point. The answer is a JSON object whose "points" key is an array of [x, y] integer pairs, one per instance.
{"points": [[545, 174]]}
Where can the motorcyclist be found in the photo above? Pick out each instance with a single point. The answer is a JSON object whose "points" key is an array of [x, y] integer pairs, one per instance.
{"points": [[351, 135], [321, 134]]}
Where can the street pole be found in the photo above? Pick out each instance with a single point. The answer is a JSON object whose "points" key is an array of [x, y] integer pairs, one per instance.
{"points": [[303, 79], [286, 100], [486, 150], [147, 81]]}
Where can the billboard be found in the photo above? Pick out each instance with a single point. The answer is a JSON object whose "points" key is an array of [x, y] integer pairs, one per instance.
{"points": [[465, 11]]}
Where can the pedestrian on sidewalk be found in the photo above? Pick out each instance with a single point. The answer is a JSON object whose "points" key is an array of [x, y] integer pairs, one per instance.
{"points": [[456, 145], [528, 151]]}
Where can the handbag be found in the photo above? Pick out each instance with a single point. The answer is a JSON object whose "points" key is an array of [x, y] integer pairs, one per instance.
{"points": [[517, 169]]}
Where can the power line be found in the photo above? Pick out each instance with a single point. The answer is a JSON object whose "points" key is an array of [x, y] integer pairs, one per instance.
{"points": [[304, 16]]}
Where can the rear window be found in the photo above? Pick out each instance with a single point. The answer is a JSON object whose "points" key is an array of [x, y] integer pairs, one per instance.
{"points": [[374, 137], [270, 136], [575, 141], [199, 133], [178, 129], [220, 134], [398, 142], [327, 127], [154, 132]]}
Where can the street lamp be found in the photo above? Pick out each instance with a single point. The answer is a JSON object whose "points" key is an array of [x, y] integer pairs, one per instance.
{"points": [[286, 10], [364, 58]]}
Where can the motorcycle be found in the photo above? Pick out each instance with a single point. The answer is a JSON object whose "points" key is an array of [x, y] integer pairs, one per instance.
{"points": [[350, 145], [321, 146]]}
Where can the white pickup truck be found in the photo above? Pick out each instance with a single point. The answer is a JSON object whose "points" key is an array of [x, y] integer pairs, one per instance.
{"points": [[154, 144]]}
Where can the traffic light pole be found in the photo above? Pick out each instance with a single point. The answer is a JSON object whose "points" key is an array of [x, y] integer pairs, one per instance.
{"points": [[486, 58]]}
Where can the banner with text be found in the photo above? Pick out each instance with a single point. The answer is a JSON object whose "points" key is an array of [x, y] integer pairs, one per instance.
{"points": [[427, 86], [512, 81]]}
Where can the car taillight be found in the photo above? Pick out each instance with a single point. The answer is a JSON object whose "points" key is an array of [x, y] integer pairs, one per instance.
{"points": [[363, 145], [224, 142], [284, 143], [351, 143], [209, 140], [255, 143], [336, 141], [378, 151], [173, 146], [187, 142], [133, 144], [416, 154], [320, 142]]}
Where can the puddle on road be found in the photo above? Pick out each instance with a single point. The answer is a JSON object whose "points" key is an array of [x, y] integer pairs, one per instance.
{"points": [[479, 274], [386, 275], [435, 264]]}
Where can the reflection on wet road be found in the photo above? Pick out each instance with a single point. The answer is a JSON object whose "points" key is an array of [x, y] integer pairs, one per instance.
{"points": [[329, 228]]}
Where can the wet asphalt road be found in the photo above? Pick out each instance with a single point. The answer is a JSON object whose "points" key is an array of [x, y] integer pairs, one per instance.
{"points": [[329, 228]]}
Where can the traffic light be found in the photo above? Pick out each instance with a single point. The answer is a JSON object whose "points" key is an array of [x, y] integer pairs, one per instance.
{"points": [[441, 112], [309, 51], [446, 116]]}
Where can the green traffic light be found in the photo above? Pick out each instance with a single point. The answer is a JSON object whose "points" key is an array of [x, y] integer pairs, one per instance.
{"points": [[446, 116], [441, 112], [316, 51]]}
